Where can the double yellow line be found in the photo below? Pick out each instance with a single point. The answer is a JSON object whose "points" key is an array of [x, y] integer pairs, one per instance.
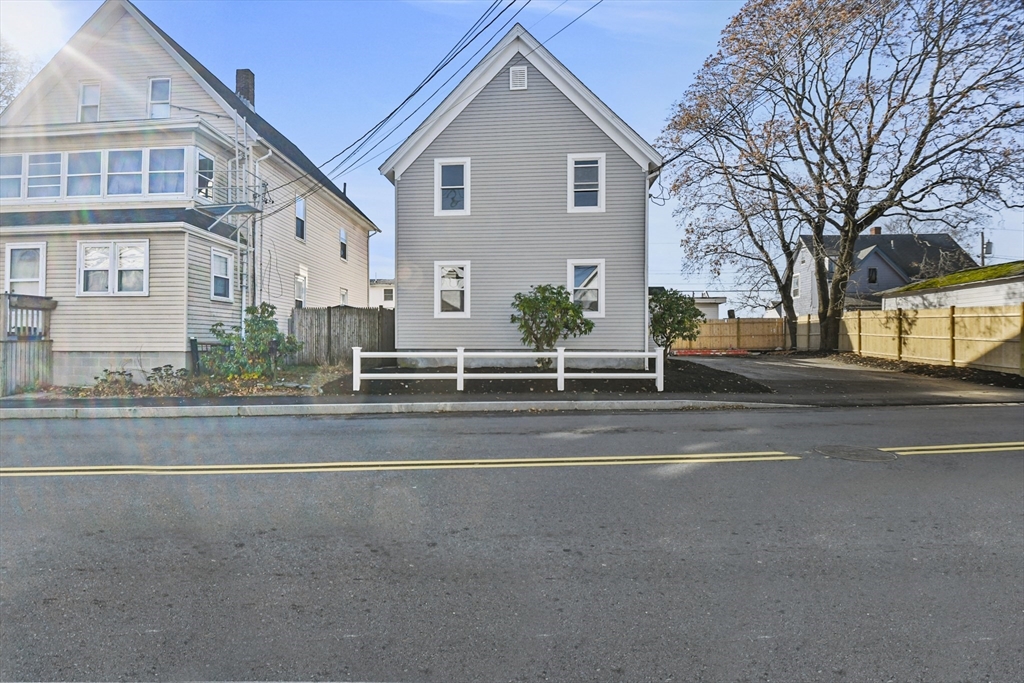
{"points": [[391, 466], [998, 447]]}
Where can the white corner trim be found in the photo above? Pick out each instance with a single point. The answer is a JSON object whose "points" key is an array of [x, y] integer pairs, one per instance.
{"points": [[571, 282], [437, 289], [466, 178], [571, 182]]}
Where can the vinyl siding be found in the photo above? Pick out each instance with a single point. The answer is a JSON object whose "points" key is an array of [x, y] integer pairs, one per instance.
{"points": [[807, 303], [1009, 292], [114, 323], [122, 61], [519, 233], [203, 311]]}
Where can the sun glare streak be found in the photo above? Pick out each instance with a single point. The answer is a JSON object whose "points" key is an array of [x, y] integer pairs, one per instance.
{"points": [[35, 28]]}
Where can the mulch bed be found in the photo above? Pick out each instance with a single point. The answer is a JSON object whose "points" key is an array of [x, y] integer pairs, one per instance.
{"points": [[680, 377], [996, 379]]}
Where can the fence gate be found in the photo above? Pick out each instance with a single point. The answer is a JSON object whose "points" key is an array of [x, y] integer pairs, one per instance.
{"points": [[328, 334]]}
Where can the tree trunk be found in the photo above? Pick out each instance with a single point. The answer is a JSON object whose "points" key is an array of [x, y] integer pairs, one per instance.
{"points": [[829, 340]]}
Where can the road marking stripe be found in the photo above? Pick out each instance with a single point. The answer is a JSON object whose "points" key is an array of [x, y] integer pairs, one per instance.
{"points": [[997, 449], [392, 466], [1012, 444]]}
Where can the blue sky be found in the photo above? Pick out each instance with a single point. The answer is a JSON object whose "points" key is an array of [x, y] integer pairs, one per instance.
{"points": [[334, 69]]}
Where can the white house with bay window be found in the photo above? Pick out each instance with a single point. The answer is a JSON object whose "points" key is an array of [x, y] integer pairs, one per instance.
{"points": [[150, 201], [521, 177]]}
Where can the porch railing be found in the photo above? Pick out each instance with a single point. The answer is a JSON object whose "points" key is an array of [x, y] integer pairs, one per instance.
{"points": [[26, 317]]}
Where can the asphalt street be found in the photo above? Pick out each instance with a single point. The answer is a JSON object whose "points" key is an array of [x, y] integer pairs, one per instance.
{"points": [[769, 545]]}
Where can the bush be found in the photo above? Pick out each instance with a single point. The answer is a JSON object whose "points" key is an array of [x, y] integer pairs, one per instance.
{"points": [[250, 357], [674, 315], [547, 314]]}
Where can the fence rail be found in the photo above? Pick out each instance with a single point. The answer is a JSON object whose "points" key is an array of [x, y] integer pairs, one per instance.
{"points": [[460, 355]]}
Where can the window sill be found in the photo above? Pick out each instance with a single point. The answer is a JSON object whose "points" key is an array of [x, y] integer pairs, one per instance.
{"points": [[445, 214], [108, 295], [222, 300]]}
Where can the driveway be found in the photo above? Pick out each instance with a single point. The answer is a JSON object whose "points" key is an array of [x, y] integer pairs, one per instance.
{"points": [[829, 382]]}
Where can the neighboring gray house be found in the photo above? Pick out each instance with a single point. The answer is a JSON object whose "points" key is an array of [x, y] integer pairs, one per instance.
{"points": [[520, 177], [880, 262]]}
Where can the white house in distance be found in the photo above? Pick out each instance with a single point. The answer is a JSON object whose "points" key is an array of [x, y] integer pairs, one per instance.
{"points": [[520, 177], [382, 293], [149, 201], [999, 285]]}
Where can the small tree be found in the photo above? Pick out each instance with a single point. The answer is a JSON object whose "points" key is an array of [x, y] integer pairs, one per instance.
{"points": [[673, 316], [547, 314], [250, 357]]}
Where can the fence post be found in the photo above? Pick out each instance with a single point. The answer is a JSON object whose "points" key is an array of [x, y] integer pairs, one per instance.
{"points": [[561, 368], [808, 332], [356, 363], [899, 334], [737, 332], [1022, 339], [952, 336], [860, 340], [460, 366], [659, 368], [330, 335]]}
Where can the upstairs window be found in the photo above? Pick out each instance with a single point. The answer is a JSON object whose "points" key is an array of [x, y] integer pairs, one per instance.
{"points": [[26, 268], [124, 172], [89, 103], [389, 294], [10, 175], [586, 183], [873, 275], [795, 287], [451, 187], [221, 266], [451, 289], [113, 268], [586, 282], [160, 98], [85, 174], [167, 171], [44, 174], [204, 175], [300, 218], [343, 239]]}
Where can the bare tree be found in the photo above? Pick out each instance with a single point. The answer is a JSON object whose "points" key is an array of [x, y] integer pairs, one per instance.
{"points": [[859, 112], [15, 71]]}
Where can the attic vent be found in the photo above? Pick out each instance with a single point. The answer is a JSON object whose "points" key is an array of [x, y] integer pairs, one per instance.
{"points": [[517, 78]]}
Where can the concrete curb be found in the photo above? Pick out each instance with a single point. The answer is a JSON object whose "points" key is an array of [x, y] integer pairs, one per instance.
{"points": [[299, 410]]}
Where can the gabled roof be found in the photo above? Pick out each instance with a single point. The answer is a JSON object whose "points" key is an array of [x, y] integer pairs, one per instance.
{"points": [[220, 92], [936, 253], [519, 41]]}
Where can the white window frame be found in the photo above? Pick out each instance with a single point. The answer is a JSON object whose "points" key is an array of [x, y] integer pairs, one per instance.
{"points": [[343, 296], [22, 190], [391, 291], [81, 99], [794, 286], [195, 175], [146, 172], [214, 253], [300, 214], [343, 239], [151, 101], [466, 176], [570, 276], [67, 174], [27, 164], [41, 246], [303, 276], [521, 69], [112, 270], [571, 160], [467, 279]]}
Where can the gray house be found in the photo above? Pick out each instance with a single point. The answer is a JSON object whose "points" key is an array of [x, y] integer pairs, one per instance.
{"points": [[880, 262], [520, 177]]}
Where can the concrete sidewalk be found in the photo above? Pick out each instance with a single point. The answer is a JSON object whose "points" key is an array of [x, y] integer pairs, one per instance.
{"points": [[795, 381]]}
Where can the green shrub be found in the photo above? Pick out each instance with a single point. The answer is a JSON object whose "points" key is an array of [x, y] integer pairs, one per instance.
{"points": [[249, 357], [674, 315], [545, 315]]}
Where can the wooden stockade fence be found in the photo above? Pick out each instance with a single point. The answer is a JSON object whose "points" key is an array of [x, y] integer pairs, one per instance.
{"points": [[328, 334], [987, 338], [25, 365]]}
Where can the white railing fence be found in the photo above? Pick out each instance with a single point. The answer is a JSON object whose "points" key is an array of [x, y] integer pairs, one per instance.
{"points": [[460, 355]]}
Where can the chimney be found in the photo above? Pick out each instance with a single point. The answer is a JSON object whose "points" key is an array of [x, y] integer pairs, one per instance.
{"points": [[245, 86], [876, 230]]}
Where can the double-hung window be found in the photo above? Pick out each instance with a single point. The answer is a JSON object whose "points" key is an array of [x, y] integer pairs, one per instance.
{"points": [[89, 102], [25, 268], [343, 240], [301, 282], [44, 174], [389, 294], [124, 172], [167, 171], [794, 288], [873, 276], [300, 218], [586, 183], [10, 175], [586, 282], [113, 268], [204, 175], [85, 174], [160, 98], [451, 289], [221, 268], [451, 187]]}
